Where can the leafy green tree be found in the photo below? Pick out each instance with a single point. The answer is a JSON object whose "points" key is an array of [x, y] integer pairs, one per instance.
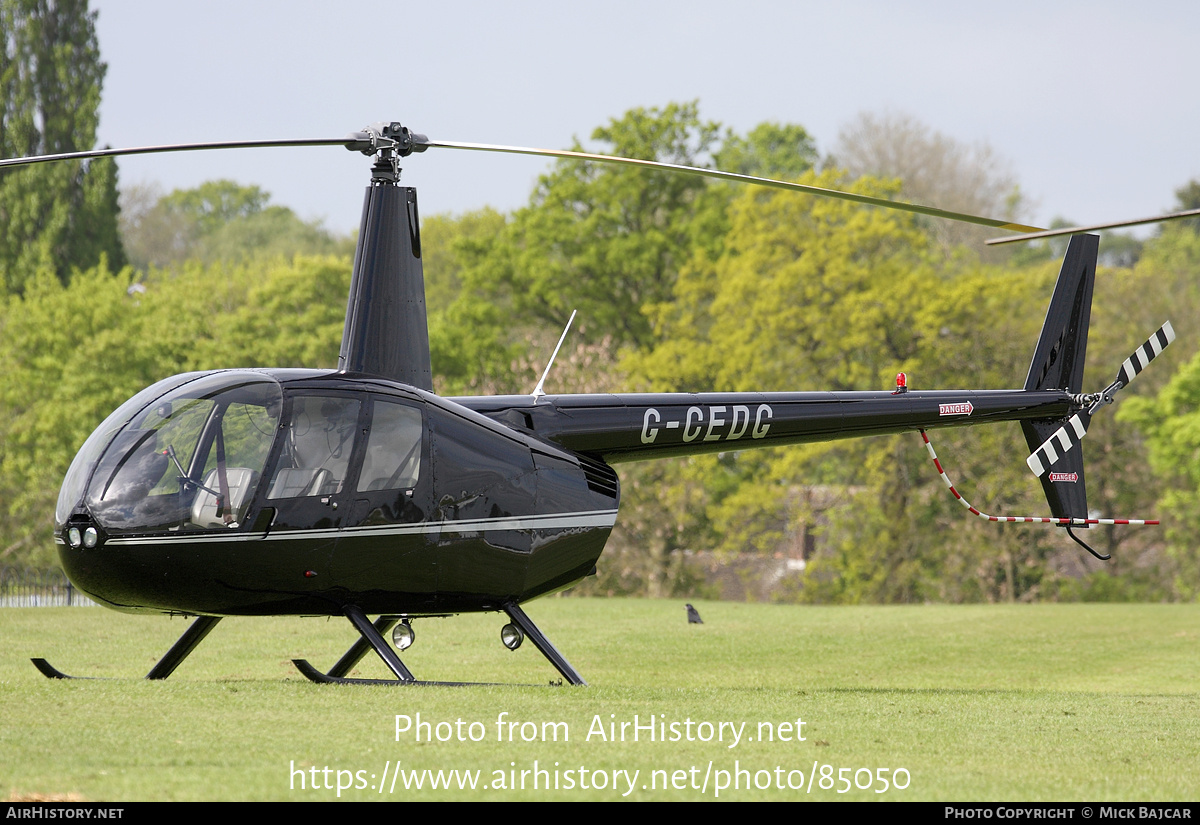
{"points": [[275, 232], [212, 205], [770, 150], [57, 216], [608, 241], [73, 353], [1172, 425], [808, 293], [289, 313], [1120, 249], [798, 299], [1187, 197], [1164, 406], [602, 239], [219, 220], [471, 343], [448, 242]]}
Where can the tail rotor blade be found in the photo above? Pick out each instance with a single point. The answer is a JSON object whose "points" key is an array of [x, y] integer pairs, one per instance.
{"points": [[1146, 353], [1073, 431], [1054, 447]]}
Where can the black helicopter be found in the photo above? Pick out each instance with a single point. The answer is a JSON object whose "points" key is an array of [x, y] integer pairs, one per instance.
{"points": [[358, 491]]}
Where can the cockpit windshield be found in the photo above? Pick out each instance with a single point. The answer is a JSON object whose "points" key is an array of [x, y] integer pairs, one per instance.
{"points": [[192, 459]]}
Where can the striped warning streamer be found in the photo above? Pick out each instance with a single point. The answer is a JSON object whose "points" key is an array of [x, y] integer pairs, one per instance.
{"points": [[1019, 519]]}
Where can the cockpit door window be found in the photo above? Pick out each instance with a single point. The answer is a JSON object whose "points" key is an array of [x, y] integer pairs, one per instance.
{"points": [[393, 457], [318, 445]]}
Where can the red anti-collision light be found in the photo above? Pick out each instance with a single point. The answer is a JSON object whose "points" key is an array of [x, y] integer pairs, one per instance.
{"points": [[901, 381]]}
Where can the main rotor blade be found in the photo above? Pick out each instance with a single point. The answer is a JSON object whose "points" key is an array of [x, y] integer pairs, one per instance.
{"points": [[354, 141], [176, 147], [1075, 230], [733, 176]]}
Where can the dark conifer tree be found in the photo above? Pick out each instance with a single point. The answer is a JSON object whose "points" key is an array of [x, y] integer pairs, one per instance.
{"points": [[59, 216]]}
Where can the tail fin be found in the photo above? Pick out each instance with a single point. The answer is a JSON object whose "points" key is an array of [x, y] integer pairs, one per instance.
{"points": [[1058, 364]]}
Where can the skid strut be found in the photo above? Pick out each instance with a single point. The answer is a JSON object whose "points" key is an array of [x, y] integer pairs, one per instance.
{"points": [[361, 647], [543, 644], [371, 638], [179, 651]]}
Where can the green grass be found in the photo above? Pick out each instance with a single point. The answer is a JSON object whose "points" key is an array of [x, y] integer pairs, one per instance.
{"points": [[1003, 703]]}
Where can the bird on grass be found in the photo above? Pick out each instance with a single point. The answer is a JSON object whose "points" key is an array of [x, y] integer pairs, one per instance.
{"points": [[693, 616]]}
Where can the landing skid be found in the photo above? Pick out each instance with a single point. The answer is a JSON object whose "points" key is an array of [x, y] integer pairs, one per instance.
{"points": [[371, 637], [179, 651], [51, 672], [312, 674]]}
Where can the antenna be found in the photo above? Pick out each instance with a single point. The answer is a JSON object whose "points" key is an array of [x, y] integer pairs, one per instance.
{"points": [[537, 391]]}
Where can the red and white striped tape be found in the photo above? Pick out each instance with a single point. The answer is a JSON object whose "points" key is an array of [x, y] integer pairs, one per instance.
{"points": [[1020, 519]]}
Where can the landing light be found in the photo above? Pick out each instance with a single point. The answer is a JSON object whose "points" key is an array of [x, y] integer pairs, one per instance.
{"points": [[512, 636], [90, 537], [403, 636], [74, 538]]}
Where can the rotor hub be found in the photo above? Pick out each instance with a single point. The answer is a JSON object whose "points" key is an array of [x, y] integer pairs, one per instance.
{"points": [[389, 142]]}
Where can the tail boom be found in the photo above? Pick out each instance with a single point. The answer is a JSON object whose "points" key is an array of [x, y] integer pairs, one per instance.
{"points": [[633, 427]]}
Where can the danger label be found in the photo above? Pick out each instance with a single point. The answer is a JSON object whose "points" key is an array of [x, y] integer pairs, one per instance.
{"points": [[961, 408], [1064, 476]]}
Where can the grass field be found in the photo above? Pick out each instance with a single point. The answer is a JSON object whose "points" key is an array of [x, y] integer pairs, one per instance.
{"points": [[1001, 703]]}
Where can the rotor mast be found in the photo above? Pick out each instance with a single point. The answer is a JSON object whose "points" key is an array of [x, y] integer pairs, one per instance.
{"points": [[386, 331]]}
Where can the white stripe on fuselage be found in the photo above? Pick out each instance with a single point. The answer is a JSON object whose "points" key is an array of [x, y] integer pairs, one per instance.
{"points": [[550, 521]]}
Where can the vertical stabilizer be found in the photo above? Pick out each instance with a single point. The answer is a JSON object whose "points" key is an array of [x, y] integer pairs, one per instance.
{"points": [[1058, 359], [1058, 364]]}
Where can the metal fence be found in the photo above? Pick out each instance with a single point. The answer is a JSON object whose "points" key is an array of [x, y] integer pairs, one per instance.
{"points": [[22, 587]]}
